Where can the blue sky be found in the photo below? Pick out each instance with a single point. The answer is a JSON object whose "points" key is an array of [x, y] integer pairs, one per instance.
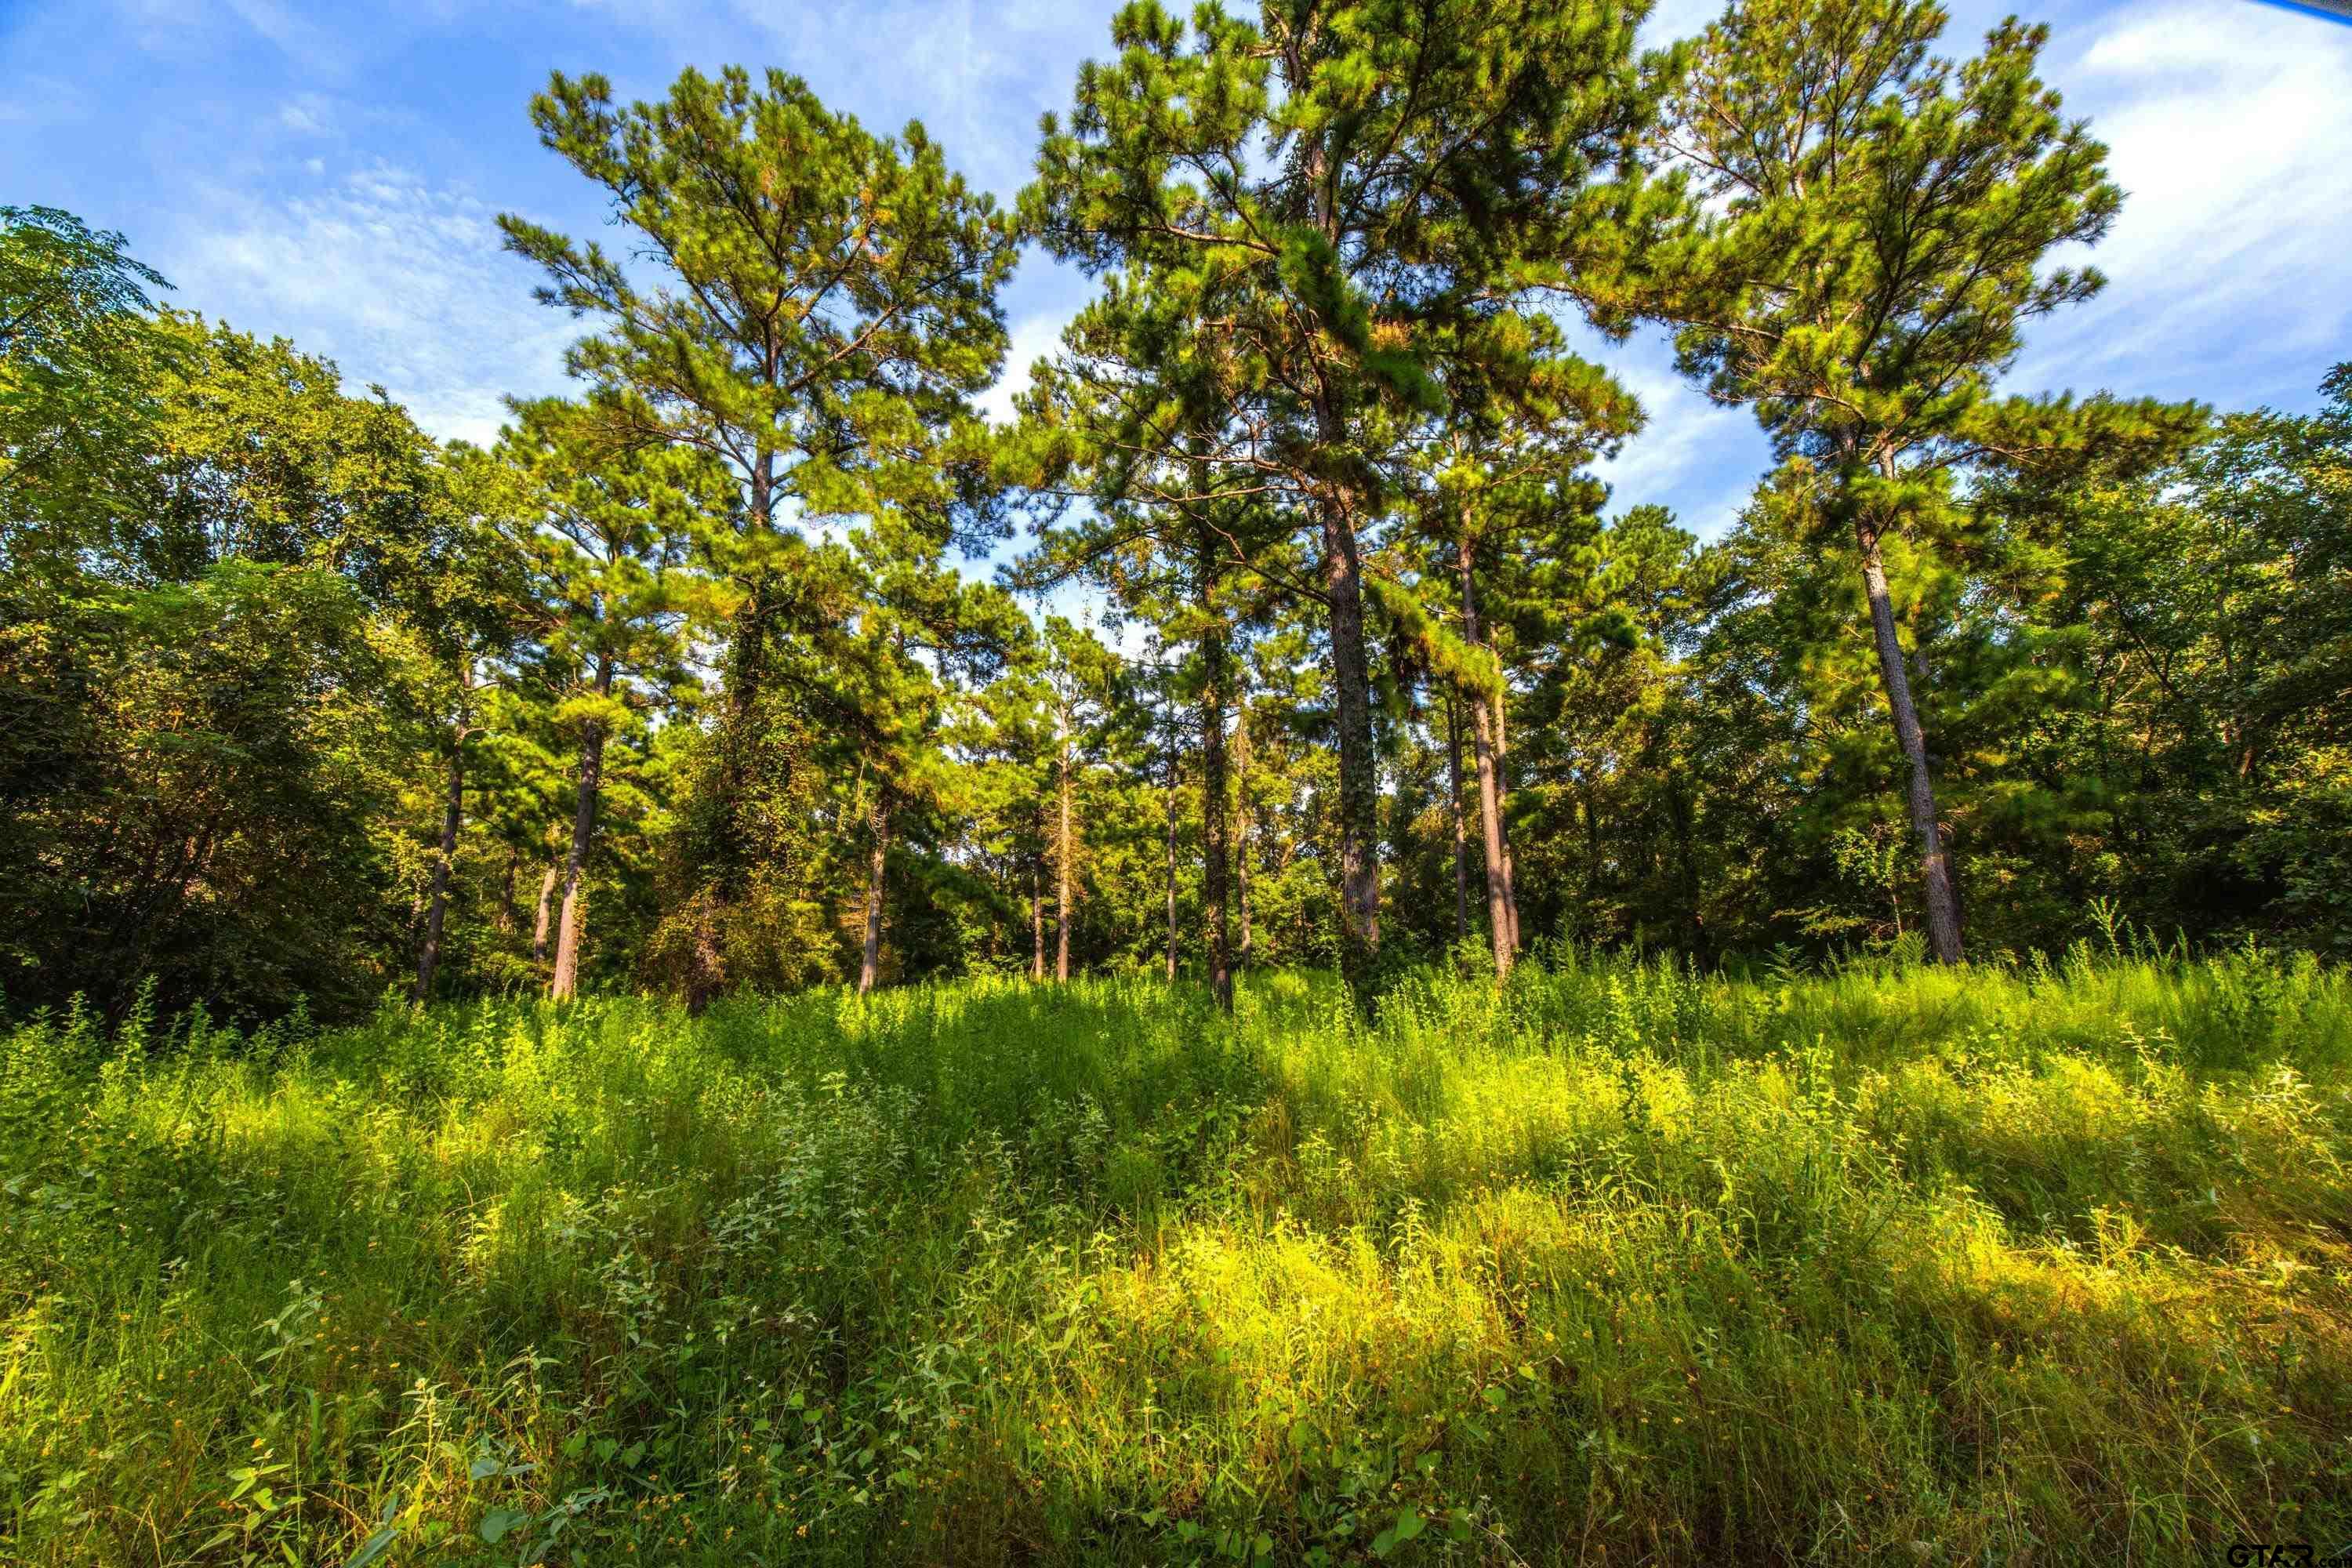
{"points": [[331, 172]]}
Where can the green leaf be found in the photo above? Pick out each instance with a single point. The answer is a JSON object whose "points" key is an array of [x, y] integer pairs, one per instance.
{"points": [[499, 1523]]}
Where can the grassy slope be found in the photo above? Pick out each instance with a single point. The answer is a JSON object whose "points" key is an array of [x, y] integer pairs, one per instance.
{"points": [[1919, 1268]]}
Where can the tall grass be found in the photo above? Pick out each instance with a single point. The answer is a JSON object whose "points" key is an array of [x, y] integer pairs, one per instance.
{"points": [[1619, 1265]]}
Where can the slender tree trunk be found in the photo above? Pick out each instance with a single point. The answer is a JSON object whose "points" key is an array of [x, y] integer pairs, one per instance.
{"points": [[872, 967], [1171, 859], [570, 924], [1343, 586], [510, 913], [1036, 928], [437, 902], [1503, 820], [545, 920], [1943, 907], [1453, 807], [1245, 828], [1062, 879], [566, 981], [1359, 847], [1215, 819], [1592, 841], [1000, 879], [1500, 919]]}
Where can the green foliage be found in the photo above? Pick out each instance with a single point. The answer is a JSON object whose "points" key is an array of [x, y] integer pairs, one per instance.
{"points": [[823, 299], [79, 355], [1316, 223], [819, 306], [207, 711], [1889, 213], [296, 703], [1889, 217], [1617, 1259]]}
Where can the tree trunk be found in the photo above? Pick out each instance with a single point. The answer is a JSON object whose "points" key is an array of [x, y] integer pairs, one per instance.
{"points": [[1036, 928], [1062, 878], [437, 903], [1215, 819], [1501, 923], [1503, 820], [1591, 837], [1172, 854], [510, 913], [1360, 849], [871, 968], [1943, 907], [1683, 808], [1243, 830], [566, 981], [545, 920], [1460, 830]]}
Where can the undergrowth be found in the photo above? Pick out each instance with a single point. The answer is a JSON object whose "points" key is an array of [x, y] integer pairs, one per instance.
{"points": [[1619, 1265]]}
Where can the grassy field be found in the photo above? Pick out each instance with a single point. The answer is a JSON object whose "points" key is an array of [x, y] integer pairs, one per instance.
{"points": [[1621, 1266]]}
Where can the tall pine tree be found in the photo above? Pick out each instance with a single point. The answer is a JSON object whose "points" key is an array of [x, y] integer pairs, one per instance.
{"points": [[814, 307]]}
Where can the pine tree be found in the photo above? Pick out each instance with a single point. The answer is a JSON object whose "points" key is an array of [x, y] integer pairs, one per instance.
{"points": [[1509, 519], [1086, 689], [1304, 212], [607, 533], [1888, 216], [819, 305]]}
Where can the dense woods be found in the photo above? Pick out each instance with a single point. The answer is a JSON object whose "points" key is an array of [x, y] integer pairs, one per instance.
{"points": [[732, 670], [1247, 963]]}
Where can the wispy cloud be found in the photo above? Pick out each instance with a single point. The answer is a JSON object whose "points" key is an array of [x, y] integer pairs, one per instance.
{"points": [[260, 151], [2231, 131], [1694, 455], [401, 282], [977, 74], [309, 114], [44, 101], [1035, 337]]}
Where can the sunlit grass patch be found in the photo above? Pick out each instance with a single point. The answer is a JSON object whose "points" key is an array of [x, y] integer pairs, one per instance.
{"points": [[1619, 1265]]}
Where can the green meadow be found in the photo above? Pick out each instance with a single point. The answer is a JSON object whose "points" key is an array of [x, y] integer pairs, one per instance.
{"points": [[1619, 1265]]}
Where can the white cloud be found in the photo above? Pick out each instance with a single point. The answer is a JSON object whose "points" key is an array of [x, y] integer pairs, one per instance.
{"points": [[1672, 19], [1694, 455], [400, 282], [2230, 132], [185, 29], [317, 48], [977, 74], [307, 115], [1034, 337]]}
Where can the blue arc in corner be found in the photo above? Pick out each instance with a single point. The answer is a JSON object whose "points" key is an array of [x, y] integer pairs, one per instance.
{"points": [[2338, 11]]}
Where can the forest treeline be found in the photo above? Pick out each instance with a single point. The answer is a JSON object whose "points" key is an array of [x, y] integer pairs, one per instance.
{"points": [[689, 681]]}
